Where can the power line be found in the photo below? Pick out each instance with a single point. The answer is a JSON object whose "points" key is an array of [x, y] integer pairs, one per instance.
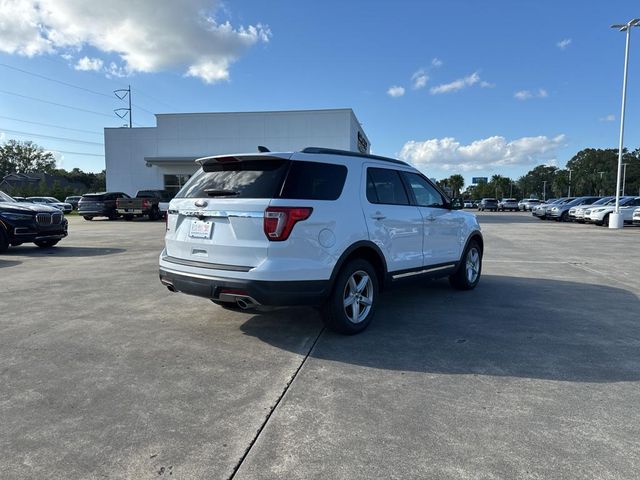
{"points": [[56, 104], [66, 139], [51, 125], [76, 153], [67, 84]]}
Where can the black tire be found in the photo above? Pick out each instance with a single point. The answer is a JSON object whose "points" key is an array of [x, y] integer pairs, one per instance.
{"points": [[564, 217], [4, 240], [46, 243], [87, 218], [605, 220], [154, 214], [128, 218], [459, 279], [335, 314], [113, 216]]}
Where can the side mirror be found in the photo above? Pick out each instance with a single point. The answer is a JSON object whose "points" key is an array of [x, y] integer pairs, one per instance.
{"points": [[457, 204]]}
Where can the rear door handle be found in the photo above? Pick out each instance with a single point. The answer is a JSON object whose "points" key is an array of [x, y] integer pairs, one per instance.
{"points": [[378, 216], [430, 218]]}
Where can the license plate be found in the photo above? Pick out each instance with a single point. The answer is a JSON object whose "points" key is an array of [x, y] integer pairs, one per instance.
{"points": [[200, 229]]}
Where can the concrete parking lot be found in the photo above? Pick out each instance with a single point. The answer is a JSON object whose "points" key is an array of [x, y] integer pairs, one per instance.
{"points": [[535, 374]]}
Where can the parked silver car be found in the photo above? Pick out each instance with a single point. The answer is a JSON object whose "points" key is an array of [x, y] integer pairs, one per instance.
{"points": [[52, 202], [510, 204], [576, 213]]}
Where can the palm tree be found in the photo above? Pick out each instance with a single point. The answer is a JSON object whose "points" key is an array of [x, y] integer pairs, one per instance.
{"points": [[456, 182]]}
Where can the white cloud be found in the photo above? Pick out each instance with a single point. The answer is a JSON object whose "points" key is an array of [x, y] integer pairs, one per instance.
{"points": [[147, 35], [528, 94], [608, 118], [436, 62], [395, 91], [562, 44], [523, 95], [456, 85], [419, 79], [89, 64], [484, 84], [449, 154]]}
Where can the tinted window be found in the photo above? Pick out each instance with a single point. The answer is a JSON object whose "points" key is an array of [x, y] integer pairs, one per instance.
{"points": [[314, 181], [94, 197], [385, 186], [237, 179], [426, 195]]}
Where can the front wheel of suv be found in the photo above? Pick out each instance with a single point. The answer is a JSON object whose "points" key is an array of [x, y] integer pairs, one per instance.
{"points": [[354, 298], [468, 274]]}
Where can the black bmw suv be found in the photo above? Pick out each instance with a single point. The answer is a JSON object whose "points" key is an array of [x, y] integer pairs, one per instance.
{"points": [[29, 223]]}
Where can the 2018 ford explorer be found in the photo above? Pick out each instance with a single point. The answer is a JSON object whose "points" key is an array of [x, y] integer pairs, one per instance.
{"points": [[320, 227]]}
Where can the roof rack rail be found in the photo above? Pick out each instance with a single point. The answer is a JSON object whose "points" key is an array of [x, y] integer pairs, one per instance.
{"points": [[348, 153]]}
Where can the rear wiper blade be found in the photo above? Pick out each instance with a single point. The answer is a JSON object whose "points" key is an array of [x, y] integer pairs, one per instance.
{"points": [[219, 193]]}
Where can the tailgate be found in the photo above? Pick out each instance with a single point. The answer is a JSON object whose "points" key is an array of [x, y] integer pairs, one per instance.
{"points": [[225, 232]]}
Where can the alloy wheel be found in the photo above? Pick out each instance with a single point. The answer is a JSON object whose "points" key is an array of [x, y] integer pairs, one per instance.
{"points": [[358, 296], [473, 265]]}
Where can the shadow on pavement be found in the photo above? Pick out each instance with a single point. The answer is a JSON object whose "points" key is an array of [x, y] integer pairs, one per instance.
{"points": [[507, 326], [62, 251], [506, 217], [9, 263]]}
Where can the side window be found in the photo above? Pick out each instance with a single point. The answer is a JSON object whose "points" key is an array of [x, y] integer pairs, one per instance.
{"points": [[426, 195], [385, 186], [314, 181]]}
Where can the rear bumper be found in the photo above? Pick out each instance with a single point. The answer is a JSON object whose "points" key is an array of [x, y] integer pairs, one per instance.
{"points": [[130, 211], [303, 292]]}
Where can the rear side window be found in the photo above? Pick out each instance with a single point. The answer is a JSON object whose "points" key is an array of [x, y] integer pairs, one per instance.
{"points": [[237, 179], [314, 181], [385, 186]]}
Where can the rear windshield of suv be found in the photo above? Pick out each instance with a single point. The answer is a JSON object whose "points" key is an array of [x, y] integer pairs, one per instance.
{"points": [[94, 196], [267, 178]]}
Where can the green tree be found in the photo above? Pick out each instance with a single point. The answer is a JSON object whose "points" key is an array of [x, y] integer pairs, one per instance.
{"points": [[24, 157], [456, 182]]}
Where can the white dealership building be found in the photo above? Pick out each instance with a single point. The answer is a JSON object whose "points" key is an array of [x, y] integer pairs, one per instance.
{"points": [[163, 157]]}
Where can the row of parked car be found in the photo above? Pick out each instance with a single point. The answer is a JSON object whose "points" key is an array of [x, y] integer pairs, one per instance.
{"points": [[146, 203], [504, 205], [41, 220], [588, 209]]}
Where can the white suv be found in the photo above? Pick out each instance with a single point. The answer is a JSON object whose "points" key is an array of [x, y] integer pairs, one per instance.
{"points": [[319, 227]]}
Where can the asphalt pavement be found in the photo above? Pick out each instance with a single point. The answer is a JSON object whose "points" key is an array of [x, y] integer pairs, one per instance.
{"points": [[534, 374]]}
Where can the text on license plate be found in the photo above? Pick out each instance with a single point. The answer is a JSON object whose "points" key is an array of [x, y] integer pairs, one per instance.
{"points": [[200, 229]]}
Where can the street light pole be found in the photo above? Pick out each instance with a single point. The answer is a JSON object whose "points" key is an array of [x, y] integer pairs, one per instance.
{"points": [[569, 192], [615, 219], [624, 177], [544, 190]]}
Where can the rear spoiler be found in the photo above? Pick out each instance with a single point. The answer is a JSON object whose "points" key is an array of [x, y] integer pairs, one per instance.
{"points": [[217, 159]]}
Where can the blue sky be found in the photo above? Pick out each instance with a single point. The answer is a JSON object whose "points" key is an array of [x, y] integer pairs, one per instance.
{"points": [[514, 84]]}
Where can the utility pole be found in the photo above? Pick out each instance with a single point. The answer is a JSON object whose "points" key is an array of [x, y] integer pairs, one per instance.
{"points": [[123, 112], [601, 189], [544, 190], [615, 219], [624, 177], [569, 193]]}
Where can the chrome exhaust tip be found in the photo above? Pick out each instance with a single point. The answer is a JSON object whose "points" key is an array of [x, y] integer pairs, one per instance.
{"points": [[244, 303]]}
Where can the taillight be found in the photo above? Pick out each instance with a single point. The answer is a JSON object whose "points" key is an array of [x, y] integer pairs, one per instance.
{"points": [[145, 204], [279, 221]]}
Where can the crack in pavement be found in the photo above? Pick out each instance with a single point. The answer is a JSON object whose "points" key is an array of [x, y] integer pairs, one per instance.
{"points": [[274, 407]]}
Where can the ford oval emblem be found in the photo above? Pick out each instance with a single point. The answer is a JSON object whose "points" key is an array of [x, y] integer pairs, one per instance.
{"points": [[201, 203]]}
